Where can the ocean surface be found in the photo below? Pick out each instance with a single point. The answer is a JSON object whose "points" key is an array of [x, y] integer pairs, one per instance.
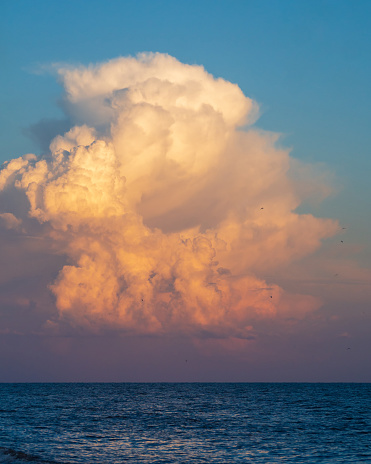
{"points": [[185, 423]]}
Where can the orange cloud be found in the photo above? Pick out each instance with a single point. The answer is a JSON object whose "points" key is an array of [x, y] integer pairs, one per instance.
{"points": [[166, 210]]}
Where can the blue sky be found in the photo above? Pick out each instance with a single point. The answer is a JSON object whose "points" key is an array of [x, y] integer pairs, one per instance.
{"points": [[307, 64]]}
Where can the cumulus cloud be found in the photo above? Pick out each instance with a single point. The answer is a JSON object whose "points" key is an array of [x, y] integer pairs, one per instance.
{"points": [[167, 213]]}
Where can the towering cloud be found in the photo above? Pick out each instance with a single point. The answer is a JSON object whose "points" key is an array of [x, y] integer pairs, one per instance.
{"points": [[168, 208]]}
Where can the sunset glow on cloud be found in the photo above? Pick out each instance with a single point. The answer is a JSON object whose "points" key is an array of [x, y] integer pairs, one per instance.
{"points": [[169, 208]]}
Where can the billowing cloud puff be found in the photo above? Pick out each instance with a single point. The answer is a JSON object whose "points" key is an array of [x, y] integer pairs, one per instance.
{"points": [[168, 213]]}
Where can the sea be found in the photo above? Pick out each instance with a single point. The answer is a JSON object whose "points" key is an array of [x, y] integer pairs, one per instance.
{"points": [[185, 423]]}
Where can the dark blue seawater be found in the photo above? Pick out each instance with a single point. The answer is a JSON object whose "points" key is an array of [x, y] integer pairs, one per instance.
{"points": [[185, 423]]}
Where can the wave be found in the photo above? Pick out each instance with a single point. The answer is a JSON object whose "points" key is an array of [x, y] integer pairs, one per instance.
{"points": [[8, 455]]}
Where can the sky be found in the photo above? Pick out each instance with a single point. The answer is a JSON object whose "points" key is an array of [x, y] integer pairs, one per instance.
{"points": [[184, 193]]}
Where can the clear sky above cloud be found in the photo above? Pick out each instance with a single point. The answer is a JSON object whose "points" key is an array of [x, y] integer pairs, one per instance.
{"points": [[208, 201]]}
